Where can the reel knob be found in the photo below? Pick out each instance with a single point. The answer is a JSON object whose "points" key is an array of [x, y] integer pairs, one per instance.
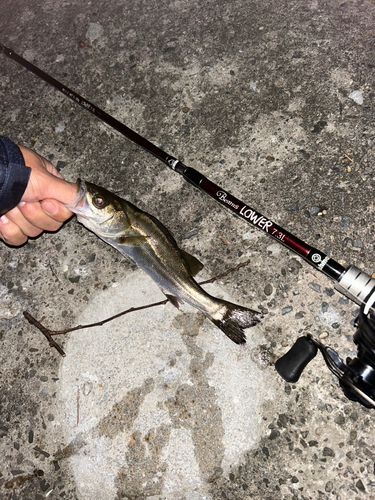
{"points": [[291, 365]]}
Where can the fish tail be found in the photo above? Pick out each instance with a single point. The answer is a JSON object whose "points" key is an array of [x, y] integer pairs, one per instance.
{"points": [[235, 319]]}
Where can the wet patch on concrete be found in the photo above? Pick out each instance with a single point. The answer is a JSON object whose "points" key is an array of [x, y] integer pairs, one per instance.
{"points": [[195, 406], [119, 420], [144, 472], [124, 438]]}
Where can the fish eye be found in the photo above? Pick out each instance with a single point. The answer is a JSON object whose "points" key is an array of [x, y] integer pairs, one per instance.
{"points": [[99, 201]]}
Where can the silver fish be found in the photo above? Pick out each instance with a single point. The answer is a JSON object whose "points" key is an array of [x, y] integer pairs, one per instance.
{"points": [[142, 238]]}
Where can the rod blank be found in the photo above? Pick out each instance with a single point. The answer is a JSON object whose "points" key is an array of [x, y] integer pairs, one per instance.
{"points": [[314, 257]]}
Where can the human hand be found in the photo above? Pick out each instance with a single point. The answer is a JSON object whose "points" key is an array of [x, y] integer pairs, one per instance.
{"points": [[42, 205]]}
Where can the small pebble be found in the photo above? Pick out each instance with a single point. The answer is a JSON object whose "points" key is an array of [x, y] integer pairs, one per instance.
{"points": [[315, 287], [328, 452], [318, 127], [359, 484], [323, 335], [87, 388], [17, 472], [268, 289], [329, 486], [353, 435], [346, 241], [60, 165], [340, 419], [274, 434], [60, 127], [356, 96], [286, 310], [345, 221], [314, 210], [190, 234]]}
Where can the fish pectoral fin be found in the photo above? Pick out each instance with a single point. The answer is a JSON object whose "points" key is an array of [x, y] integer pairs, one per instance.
{"points": [[132, 240], [172, 299], [192, 263]]}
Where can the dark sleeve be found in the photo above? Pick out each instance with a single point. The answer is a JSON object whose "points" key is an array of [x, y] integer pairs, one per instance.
{"points": [[14, 175]]}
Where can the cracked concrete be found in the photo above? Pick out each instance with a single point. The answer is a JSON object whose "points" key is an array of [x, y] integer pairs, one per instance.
{"points": [[259, 97]]}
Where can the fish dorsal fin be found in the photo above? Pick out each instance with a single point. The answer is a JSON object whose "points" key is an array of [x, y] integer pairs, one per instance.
{"points": [[172, 299], [192, 263]]}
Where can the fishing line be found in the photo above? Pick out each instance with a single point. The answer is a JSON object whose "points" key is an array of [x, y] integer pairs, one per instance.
{"points": [[355, 284]]}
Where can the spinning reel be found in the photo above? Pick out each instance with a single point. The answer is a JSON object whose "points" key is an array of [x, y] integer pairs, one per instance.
{"points": [[357, 375]]}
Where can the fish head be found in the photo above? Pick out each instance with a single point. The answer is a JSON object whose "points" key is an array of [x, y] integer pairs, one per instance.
{"points": [[99, 210]]}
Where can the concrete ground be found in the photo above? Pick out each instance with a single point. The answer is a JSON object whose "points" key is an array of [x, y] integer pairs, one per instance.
{"points": [[159, 404]]}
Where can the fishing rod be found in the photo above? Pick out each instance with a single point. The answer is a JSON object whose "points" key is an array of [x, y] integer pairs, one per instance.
{"points": [[357, 377]]}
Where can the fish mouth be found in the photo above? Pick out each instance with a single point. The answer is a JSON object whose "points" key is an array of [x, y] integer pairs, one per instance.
{"points": [[80, 205], [75, 205]]}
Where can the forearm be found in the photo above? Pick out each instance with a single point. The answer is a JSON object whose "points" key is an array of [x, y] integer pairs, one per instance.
{"points": [[14, 175]]}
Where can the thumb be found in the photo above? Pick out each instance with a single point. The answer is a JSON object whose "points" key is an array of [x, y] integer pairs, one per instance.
{"points": [[58, 189], [55, 210]]}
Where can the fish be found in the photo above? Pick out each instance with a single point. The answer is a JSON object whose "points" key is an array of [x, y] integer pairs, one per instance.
{"points": [[144, 240]]}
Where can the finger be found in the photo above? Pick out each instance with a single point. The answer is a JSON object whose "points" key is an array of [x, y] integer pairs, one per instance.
{"points": [[45, 181], [15, 215], [60, 190], [44, 185], [38, 218], [56, 210], [11, 233], [31, 157]]}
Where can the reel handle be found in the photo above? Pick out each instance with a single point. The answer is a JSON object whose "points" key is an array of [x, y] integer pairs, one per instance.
{"points": [[291, 365]]}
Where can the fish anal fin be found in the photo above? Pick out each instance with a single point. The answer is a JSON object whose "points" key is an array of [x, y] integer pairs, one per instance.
{"points": [[192, 263], [132, 240], [172, 299]]}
